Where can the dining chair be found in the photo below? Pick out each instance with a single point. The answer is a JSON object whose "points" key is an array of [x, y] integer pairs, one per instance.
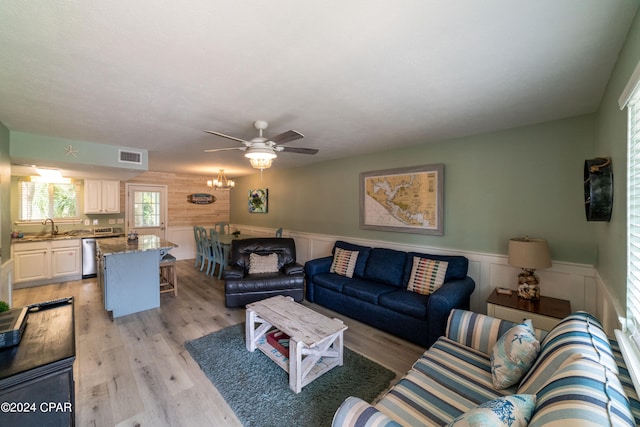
{"points": [[197, 233], [279, 232], [205, 248], [222, 227], [218, 254]]}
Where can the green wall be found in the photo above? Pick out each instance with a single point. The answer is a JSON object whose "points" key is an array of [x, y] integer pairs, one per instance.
{"points": [[611, 141], [35, 147], [5, 185], [5, 213], [523, 181]]}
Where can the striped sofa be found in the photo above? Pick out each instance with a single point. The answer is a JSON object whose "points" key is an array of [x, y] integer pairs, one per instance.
{"points": [[579, 379]]}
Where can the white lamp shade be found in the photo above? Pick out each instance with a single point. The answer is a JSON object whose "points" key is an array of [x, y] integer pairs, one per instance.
{"points": [[260, 153], [525, 252]]}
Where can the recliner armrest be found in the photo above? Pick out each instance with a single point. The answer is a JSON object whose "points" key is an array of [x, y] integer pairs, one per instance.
{"points": [[233, 272], [293, 268]]}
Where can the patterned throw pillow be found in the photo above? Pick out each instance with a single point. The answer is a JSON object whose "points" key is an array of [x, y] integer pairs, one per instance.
{"points": [[427, 275], [344, 262], [263, 263], [507, 411], [513, 355]]}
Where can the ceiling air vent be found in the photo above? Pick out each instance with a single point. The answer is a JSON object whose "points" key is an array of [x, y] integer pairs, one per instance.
{"points": [[129, 157]]}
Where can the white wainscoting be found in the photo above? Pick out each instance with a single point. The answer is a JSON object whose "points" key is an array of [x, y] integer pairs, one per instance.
{"points": [[578, 283], [6, 282]]}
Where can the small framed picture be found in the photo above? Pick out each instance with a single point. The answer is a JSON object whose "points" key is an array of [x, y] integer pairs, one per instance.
{"points": [[259, 200]]}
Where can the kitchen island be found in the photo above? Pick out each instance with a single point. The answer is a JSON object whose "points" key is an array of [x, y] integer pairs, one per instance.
{"points": [[129, 273]]}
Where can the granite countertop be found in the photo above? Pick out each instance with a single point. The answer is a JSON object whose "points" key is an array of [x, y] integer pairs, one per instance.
{"points": [[63, 235], [120, 245]]}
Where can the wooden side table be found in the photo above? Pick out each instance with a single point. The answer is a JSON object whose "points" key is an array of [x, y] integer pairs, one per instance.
{"points": [[545, 312]]}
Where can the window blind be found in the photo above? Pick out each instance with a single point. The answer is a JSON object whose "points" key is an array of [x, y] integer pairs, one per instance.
{"points": [[633, 217], [39, 201]]}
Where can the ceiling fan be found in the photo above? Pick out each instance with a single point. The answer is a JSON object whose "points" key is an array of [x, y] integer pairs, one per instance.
{"points": [[262, 150]]}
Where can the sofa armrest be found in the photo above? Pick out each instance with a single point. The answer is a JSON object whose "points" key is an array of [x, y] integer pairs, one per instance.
{"points": [[475, 330], [452, 294], [313, 267], [356, 412], [233, 272], [293, 268], [318, 266]]}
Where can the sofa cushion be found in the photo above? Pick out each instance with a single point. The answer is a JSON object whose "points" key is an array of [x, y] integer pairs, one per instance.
{"points": [[508, 411], [582, 393], [578, 333], [427, 275], [363, 255], [331, 281], [447, 381], [386, 266], [406, 302], [513, 354], [456, 270], [366, 290], [344, 262], [263, 263]]}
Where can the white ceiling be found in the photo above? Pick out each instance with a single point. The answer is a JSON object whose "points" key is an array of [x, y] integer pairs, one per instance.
{"points": [[353, 76]]}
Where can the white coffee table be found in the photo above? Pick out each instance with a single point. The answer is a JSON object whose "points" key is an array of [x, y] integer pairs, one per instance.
{"points": [[315, 346]]}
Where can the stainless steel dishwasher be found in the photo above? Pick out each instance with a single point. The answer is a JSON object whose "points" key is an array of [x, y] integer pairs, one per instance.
{"points": [[89, 257], [89, 261]]}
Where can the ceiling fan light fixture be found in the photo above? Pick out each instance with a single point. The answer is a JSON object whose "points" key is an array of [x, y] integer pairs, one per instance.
{"points": [[260, 157], [261, 163]]}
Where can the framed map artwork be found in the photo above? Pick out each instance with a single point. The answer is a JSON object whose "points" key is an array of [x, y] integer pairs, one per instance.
{"points": [[407, 200]]}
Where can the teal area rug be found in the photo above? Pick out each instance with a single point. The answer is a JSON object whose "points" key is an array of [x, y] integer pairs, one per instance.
{"points": [[258, 390]]}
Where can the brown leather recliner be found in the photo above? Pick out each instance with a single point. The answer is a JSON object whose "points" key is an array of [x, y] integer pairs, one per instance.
{"points": [[243, 287]]}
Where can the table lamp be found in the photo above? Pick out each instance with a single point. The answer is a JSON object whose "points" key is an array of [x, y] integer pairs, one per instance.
{"points": [[529, 254]]}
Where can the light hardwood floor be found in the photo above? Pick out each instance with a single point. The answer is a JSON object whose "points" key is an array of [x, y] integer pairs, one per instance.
{"points": [[135, 371]]}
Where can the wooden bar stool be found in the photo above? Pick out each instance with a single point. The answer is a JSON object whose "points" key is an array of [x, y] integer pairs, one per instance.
{"points": [[168, 275]]}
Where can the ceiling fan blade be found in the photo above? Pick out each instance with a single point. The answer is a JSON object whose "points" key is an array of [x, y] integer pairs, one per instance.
{"points": [[298, 150], [225, 149], [228, 137], [288, 136]]}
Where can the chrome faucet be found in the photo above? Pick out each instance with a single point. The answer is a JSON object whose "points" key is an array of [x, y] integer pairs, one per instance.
{"points": [[54, 228]]}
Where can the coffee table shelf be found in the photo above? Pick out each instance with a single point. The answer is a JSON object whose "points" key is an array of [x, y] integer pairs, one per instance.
{"points": [[315, 344]]}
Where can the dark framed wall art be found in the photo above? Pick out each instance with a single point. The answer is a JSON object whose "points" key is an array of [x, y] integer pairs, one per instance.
{"points": [[406, 200], [259, 200]]}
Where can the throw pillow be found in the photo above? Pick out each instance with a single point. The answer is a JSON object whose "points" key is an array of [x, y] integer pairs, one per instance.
{"points": [[344, 262], [427, 275], [509, 411], [513, 354], [263, 263]]}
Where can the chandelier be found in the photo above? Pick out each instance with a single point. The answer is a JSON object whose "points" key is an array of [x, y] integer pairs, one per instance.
{"points": [[222, 182], [260, 157]]}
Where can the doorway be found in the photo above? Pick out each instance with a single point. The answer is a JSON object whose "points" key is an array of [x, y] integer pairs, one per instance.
{"points": [[146, 209]]}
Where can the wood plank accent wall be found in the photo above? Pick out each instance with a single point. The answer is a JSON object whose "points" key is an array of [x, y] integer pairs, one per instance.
{"points": [[179, 186]]}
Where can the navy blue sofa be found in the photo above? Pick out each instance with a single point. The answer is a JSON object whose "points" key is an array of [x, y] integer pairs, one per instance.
{"points": [[377, 293]]}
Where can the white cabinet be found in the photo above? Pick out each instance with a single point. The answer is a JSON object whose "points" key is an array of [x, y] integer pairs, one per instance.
{"points": [[101, 196], [31, 261], [48, 261], [66, 258]]}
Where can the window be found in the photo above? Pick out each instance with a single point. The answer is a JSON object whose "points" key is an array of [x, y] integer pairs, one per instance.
{"points": [[147, 209], [631, 100], [40, 200]]}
